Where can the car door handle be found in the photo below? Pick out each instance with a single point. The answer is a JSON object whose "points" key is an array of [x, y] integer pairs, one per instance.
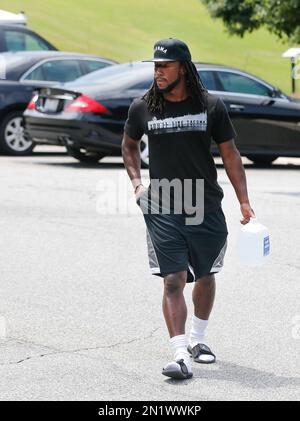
{"points": [[236, 107]]}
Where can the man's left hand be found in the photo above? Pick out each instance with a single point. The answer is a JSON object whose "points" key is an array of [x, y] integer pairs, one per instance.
{"points": [[247, 212]]}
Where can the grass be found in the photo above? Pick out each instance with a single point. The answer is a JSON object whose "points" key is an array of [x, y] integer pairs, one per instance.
{"points": [[126, 30]]}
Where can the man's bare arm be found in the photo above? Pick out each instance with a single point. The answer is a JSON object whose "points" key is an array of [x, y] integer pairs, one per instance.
{"points": [[234, 168], [132, 160]]}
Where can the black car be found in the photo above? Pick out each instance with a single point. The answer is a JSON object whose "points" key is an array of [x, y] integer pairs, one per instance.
{"points": [[21, 74], [20, 38], [88, 117]]}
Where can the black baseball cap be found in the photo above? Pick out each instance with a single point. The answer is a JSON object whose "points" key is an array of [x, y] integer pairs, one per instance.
{"points": [[171, 49]]}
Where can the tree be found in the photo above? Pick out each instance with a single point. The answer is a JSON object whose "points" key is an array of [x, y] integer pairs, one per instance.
{"points": [[281, 17]]}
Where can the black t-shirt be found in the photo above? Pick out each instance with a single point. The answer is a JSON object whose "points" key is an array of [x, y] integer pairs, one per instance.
{"points": [[179, 141]]}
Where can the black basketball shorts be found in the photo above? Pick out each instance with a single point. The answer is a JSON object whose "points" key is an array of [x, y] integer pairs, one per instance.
{"points": [[174, 246]]}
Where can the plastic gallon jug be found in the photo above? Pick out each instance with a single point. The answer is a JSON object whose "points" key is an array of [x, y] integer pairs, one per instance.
{"points": [[253, 243]]}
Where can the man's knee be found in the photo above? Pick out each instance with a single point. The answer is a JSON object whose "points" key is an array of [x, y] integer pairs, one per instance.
{"points": [[206, 280], [175, 282]]}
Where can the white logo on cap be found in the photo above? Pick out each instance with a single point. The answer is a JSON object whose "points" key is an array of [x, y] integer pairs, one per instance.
{"points": [[160, 48]]}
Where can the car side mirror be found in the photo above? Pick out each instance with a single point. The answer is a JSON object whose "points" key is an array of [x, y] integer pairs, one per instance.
{"points": [[274, 93]]}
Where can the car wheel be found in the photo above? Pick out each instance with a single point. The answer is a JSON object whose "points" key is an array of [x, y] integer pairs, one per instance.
{"points": [[12, 138], [87, 157], [262, 159], [144, 152]]}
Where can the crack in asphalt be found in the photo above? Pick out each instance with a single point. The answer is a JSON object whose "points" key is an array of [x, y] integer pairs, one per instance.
{"points": [[72, 351]]}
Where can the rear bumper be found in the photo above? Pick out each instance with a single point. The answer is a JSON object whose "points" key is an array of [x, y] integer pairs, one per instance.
{"points": [[92, 136]]}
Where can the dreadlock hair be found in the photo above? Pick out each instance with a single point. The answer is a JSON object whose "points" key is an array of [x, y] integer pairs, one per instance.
{"points": [[195, 88]]}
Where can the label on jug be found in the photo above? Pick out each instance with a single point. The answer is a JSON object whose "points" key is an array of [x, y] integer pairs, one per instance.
{"points": [[266, 245]]}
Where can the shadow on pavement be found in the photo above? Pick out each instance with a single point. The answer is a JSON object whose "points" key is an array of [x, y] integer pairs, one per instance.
{"points": [[79, 165], [110, 165], [267, 167], [47, 154], [117, 165], [244, 376]]}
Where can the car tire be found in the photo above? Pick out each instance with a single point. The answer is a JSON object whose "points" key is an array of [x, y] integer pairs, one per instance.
{"points": [[86, 157], [262, 159], [144, 152], [12, 138]]}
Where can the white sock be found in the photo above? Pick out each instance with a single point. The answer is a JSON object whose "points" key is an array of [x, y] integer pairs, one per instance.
{"points": [[197, 334], [179, 345]]}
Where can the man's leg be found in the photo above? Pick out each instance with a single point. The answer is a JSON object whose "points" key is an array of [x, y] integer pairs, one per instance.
{"points": [[174, 306], [175, 312], [203, 298]]}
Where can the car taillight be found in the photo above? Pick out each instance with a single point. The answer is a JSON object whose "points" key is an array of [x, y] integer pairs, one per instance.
{"points": [[86, 104], [32, 103]]}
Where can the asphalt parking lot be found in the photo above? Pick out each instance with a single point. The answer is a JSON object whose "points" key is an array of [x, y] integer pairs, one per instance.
{"points": [[81, 315]]}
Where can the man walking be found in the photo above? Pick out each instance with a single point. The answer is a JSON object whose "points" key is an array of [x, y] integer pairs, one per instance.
{"points": [[180, 118]]}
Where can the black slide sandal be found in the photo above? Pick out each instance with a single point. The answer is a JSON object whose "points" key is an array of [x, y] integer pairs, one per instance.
{"points": [[199, 350], [177, 370]]}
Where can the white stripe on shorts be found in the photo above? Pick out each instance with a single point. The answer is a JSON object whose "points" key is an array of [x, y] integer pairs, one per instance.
{"points": [[219, 262], [153, 261]]}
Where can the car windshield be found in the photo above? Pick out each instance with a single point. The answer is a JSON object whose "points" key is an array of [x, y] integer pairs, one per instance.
{"points": [[121, 75]]}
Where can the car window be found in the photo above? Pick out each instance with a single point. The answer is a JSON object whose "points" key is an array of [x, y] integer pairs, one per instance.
{"points": [[208, 79], [233, 82], [56, 70], [92, 65], [20, 41], [36, 74]]}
